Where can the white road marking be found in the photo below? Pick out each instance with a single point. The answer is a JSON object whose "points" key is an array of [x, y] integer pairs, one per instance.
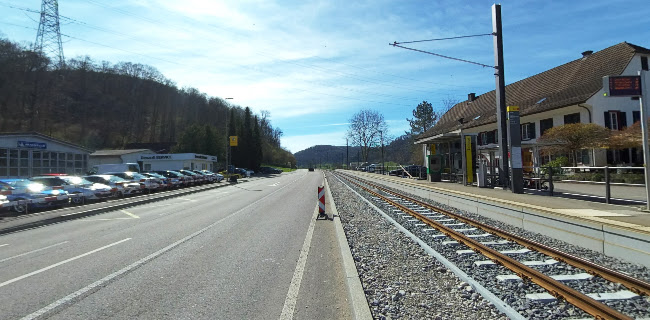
{"points": [[33, 251], [292, 295], [130, 214], [140, 262], [2, 245], [60, 263], [192, 200]]}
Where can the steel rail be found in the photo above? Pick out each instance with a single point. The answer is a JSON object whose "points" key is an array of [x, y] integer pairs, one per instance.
{"points": [[554, 287], [633, 284]]}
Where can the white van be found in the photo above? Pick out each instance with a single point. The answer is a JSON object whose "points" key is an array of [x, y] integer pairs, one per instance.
{"points": [[117, 167]]}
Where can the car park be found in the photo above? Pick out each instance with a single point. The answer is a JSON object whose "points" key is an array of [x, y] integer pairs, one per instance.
{"points": [[184, 180], [207, 178], [119, 187], [242, 172], [147, 184]]}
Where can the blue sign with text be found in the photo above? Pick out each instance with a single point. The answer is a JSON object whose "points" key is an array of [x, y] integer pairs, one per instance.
{"points": [[32, 145]]}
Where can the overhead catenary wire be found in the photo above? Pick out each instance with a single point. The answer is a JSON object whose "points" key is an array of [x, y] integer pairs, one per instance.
{"points": [[394, 44], [450, 38]]}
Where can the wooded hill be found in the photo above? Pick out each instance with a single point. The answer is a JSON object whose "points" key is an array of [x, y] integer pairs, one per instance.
{"points": [[101, 105], [400, 150]]}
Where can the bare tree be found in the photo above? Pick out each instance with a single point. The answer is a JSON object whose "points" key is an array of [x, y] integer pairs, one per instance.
{"points": [[366, 127], [447, 104]]}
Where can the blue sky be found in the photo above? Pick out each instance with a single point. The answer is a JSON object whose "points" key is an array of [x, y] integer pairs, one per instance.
{"points": [[313, 64]]}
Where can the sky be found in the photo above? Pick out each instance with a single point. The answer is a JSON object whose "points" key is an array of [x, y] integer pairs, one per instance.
{"points": [[314, 64]]}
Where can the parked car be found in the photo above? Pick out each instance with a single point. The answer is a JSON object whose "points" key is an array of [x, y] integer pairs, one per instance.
{"points": [[207, 178], [218, 176], [92, 191], [184, 180], [198, 179], [147, 184], [167, 182], [37, 195], [270, 170], [242, 172], [119, 187]]}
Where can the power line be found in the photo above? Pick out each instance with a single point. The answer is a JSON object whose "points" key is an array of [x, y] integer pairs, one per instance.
{"points": [[48, 37]]}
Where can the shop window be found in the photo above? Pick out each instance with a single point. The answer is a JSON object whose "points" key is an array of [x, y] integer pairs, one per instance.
{"points": [[147, 167], [3, 158]]}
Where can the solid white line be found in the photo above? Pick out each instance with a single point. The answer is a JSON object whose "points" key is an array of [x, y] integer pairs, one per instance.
{"points": [[2, 245], [37, 250], [138, 263], [60, 263], [130, 214], [292, 295]]}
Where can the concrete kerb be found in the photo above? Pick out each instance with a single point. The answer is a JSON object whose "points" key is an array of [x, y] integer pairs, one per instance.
{"points": [[86, 213], [356, 295]]}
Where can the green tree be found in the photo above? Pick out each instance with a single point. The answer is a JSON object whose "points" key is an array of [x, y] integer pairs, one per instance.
{"points": [[257, 145], [211, 143], [568, 139], [191, 140], [423, 118]]}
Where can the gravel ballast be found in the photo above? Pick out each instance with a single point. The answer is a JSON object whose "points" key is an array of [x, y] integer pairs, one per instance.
{"points": [[402, 281]]}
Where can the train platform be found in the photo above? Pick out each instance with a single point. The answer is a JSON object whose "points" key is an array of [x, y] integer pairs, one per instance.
{"points": [[621, 231]]}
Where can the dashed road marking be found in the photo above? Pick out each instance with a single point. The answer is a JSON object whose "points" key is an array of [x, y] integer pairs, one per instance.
{"points": [[30, 252], [60, 263]]}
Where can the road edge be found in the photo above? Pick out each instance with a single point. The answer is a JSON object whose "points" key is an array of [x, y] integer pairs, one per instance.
{"points": [[356, 294]]}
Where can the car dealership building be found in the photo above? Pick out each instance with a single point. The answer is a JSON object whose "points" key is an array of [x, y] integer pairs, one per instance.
{"points": [[24, 155]]}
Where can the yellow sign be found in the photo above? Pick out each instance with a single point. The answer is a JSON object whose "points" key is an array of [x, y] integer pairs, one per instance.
{"points": [[233, 141], [512, 108], [433, 149], [468, 156]]}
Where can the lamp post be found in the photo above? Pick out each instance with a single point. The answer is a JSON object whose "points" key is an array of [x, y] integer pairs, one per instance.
{"points": [[381, 138]]}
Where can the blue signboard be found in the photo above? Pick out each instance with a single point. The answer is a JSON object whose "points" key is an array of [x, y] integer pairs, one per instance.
{"points": [[32, 145]]}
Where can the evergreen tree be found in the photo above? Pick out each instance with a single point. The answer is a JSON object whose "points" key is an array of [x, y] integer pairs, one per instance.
{"points": [[211, 143], [247, 143], [232, 131], [257, 145], [424, 118]]}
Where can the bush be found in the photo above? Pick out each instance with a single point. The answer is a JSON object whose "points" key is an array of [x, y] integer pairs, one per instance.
{"points": [[556, 164], [597, 177]]}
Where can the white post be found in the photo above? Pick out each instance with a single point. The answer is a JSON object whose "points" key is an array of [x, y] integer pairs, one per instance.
{"points": [[644, 136]]}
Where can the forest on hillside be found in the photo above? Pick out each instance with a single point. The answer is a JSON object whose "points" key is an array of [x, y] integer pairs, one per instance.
{"points": [[101, 105]]}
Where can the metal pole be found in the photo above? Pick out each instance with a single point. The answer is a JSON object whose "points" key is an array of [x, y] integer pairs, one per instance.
{"points": [[347, 154], [381, 135], [502, 123], [607, 186], [644, 136]]}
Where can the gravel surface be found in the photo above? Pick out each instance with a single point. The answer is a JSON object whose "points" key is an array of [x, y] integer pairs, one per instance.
{"points": [[400, 279], [377, 246]]}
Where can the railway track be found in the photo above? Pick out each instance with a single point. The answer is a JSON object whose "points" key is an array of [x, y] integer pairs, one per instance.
{"points": [[600, 292]]}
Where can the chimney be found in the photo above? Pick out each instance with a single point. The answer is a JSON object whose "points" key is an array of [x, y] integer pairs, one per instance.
{"points": [[471, 97], [587, 53]]}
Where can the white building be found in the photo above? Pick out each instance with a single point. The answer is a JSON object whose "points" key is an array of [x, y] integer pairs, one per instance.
{"points": [[570, 93], [176, 161], [24, 155], [117, 156]]}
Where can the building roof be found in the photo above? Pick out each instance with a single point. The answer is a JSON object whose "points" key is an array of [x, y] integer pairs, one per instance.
{"points": [[569, 84], [109, 153], [45, 137]]}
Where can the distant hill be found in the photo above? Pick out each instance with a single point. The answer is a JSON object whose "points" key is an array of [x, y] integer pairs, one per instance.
{"points": [[399, 150]]}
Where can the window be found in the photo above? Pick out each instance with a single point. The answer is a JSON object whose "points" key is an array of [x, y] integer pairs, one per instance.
{"points": [[615, 120], [572, 118], [544, 125], [528, 131], [644, 63], [636, 116]]}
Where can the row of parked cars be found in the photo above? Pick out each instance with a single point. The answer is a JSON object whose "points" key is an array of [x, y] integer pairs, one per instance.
{"points": [[58, 190]]}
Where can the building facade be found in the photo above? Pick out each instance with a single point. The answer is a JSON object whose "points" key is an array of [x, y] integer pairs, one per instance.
{"points": [[24, 155], [570, 93]]}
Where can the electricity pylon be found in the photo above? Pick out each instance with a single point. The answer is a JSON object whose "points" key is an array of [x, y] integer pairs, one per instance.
{"points": [[48, 38]]}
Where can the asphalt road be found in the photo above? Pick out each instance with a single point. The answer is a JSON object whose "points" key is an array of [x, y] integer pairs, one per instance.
{"points": [[228, 253]]}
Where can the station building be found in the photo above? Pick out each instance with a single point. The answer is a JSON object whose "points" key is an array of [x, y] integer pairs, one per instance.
{"points": [[24, 155], [570, 93]]}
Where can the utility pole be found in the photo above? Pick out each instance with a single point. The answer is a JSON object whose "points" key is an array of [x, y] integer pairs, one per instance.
{"points": [[347, 154], [48, 37], [381, 138], [502, 122]]}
